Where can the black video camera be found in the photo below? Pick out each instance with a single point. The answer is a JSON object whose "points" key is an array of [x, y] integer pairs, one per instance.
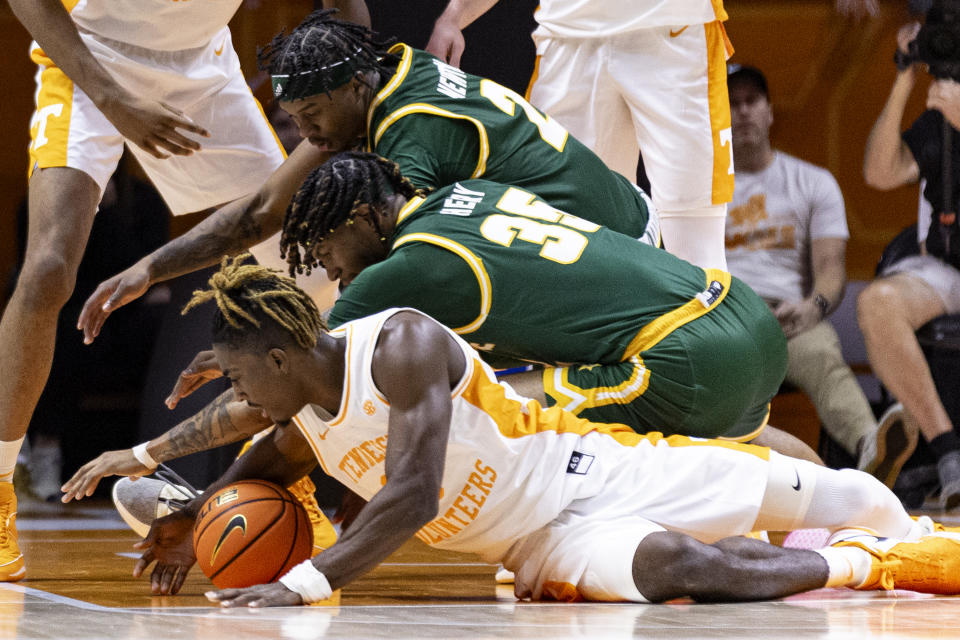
{"points": [[938, 42]]}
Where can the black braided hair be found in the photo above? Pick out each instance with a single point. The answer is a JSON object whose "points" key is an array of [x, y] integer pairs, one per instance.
{"points": [[257, 303], [330, 196], [318, 42]]}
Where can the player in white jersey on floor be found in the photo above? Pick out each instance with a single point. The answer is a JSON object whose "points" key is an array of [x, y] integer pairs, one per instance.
{"points": [[161, 77], [595, 75], [406, 414]]}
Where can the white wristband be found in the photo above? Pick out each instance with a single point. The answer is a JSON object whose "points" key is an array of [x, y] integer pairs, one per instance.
{"points": [[140, 453], [306, 580]]}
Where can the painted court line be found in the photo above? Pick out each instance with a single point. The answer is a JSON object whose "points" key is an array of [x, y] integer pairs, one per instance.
{"points": [[71, 525]]}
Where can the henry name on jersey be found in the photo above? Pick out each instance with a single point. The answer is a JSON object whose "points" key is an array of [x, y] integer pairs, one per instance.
{"points": [[452, 81]]}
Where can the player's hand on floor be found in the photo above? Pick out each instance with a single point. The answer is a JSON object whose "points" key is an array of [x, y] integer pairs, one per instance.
{"points": [[170, 544], [123, 288], [109, 463], [155, 127], [201, 370], [260, 595]]}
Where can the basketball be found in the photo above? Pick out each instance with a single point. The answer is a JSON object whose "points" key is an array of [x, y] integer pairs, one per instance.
{"points": [[250, 532]]}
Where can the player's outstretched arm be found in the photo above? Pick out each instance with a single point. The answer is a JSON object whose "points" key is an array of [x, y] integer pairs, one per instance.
{"points": [[446, 40], [413, 365], [222, 422], [153, 126], [170, 542], [229, 230]]}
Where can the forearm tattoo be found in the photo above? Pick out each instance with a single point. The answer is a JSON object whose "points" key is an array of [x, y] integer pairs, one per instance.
{"points": [[213, 238], [210, 428]]}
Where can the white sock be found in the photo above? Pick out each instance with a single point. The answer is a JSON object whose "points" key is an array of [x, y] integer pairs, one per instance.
{"points": [[697, 236], [848, 566], [9, 450]]}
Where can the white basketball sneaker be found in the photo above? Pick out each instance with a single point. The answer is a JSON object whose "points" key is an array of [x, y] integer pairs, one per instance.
{"points": [[143, 500]]}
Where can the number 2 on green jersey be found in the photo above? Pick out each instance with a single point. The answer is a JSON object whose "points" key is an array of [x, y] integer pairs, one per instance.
{"points": [[507, 100]]}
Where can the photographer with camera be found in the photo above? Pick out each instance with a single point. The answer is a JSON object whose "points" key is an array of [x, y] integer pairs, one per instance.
{"points": [[918, 288]]}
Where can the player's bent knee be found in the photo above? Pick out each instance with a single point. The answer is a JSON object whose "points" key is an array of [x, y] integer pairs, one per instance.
{"points": [[867, 492], [48, 278], [670, 565]]}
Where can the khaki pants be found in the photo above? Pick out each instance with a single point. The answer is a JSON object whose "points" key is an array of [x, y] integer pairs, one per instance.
{"points": [[815, 364]]}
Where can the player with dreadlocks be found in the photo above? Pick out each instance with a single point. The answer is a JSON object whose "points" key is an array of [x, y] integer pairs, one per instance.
{"points": [[579, 510], [347, 89], [321, 59], [680, 349], [439, 124], [335, 195]]}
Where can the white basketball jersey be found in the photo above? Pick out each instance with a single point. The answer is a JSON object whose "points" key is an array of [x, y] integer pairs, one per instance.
{"points": [[600, 18], [162, 25], [511, 466]]}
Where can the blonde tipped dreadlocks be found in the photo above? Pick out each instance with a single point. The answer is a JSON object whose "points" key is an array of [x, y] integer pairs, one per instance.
{"points": [[244, 291], [330, 196]]}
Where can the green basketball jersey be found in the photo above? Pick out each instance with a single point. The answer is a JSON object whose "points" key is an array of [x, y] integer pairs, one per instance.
{"points": [[442, 125], [518, 277]]}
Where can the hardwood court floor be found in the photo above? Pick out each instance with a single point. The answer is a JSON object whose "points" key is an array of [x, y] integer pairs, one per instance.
{"points": [[79, 586]]}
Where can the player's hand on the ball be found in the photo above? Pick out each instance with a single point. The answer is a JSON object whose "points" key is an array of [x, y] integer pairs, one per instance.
{"points": [[260, 595], [170, 543], [202, 369], [109, 463]]}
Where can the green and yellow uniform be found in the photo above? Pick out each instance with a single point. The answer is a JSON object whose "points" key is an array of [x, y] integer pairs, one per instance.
{"points": [[669, 347], [441, 125]]}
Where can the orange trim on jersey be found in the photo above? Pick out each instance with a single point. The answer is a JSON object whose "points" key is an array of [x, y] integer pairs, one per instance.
{"points": [[430, 109], [718, 50], [345, 402], [686, 441], [666, 324], [50, 127], [313, 445], [515, 420], [570, 397], [269, 126], [533, 78], [406, 60], [561, 592], [69, 5], [719, 11], [475, 264], [473, 363]]}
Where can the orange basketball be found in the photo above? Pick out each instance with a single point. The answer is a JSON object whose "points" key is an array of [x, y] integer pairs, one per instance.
{"points": [[250, 532]]}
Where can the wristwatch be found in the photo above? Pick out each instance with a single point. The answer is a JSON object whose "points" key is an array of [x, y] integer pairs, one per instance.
{"points": [[902, 60], [823, 304]]}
